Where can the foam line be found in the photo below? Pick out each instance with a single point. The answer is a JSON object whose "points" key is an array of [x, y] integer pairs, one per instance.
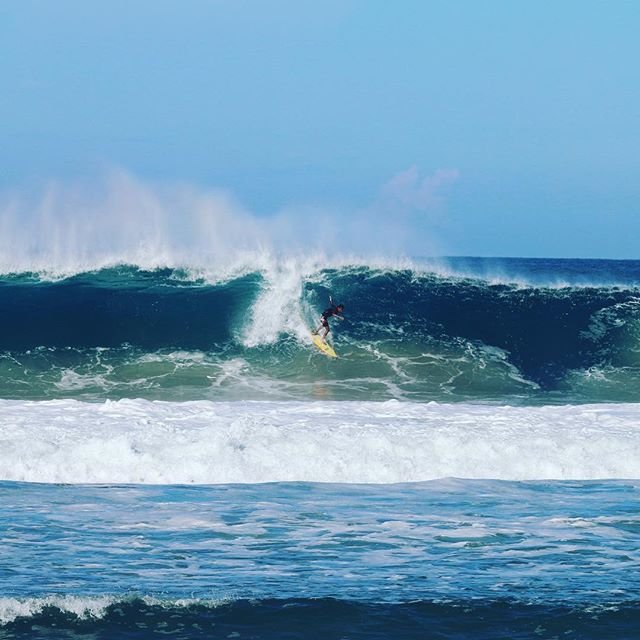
{"points": [[138, 441]]}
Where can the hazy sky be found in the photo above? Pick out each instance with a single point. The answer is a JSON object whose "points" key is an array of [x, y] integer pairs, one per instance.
{"points": [[524, 115]]}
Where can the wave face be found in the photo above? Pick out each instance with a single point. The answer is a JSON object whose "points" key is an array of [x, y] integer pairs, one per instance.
{"points": [[510, 330], [142, 442]]}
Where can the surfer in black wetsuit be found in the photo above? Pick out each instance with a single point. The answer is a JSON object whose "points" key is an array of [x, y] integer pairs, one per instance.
{"points": [[333, 311]]}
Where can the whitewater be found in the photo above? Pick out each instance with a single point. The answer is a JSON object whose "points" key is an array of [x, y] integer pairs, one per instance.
{"points": [[137, 441]]}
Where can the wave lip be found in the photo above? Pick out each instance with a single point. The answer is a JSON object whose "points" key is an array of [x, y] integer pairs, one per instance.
{"points": [[138, 441]]}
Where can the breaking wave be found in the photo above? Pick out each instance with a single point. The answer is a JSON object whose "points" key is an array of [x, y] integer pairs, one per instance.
{"points": [[416, 332]]}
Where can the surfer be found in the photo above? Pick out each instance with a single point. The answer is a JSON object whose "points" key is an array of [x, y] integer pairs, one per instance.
{"points": [[333, 311]]}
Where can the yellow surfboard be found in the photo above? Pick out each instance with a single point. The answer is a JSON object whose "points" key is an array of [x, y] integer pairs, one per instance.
{"points": [[323, 346]]}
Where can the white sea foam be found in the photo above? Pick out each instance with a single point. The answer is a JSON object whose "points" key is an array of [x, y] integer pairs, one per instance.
{"points": [[80, 606], [137, 441], [278, 308], [85, 607]]}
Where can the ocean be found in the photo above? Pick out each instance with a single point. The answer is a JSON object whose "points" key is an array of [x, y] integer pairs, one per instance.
{"points": [[176, 459]]}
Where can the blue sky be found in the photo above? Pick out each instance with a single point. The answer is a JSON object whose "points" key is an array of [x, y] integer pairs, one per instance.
{"points": [[533, 107]]}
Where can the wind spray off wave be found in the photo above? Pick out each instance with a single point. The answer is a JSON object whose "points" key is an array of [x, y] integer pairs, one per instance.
{"points": [[65, 229]]}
